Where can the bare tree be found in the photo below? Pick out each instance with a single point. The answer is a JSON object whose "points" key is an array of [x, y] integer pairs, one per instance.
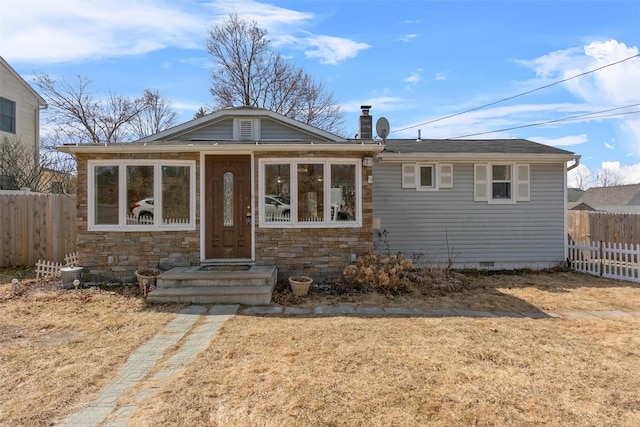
{"points": [[77, 115], [202, 111], [248, 72], [156, 117], [608, 178], [581, 177], [21, 168]]}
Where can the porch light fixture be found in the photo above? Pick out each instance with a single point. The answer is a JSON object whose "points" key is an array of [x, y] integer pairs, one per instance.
{"points": [[367, 162]]}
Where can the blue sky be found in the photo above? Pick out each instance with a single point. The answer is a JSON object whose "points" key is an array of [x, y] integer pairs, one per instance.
{"points": [[413, 61]]}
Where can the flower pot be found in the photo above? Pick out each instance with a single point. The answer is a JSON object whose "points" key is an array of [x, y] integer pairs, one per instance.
{"points": [[147, 279], [300, 284], [70, 274]]}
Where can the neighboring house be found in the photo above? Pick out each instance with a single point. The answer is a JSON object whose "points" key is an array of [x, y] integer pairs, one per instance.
{"points": [[573, 195], [620, 199], [247, 185], [498, 204], [209, 180], [20, 107]]}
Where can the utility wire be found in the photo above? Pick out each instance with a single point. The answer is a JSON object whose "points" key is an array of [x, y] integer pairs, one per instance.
{"points": [[565, 119], [518, 95]]}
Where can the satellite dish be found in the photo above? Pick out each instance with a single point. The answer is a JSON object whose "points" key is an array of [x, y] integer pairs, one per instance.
{"points": [[382, 128]]}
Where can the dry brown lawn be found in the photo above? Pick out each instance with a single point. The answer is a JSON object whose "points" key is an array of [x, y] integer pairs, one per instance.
{"points": [[59, 348], [345, 371]]}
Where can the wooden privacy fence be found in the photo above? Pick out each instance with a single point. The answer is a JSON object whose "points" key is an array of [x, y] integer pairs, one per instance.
{"points": [[603, 226], [613, 260], [36, 226]]}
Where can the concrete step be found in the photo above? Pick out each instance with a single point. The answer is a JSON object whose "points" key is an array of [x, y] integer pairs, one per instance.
{"points": [[213, 284], [202, 276], [248, 295]]}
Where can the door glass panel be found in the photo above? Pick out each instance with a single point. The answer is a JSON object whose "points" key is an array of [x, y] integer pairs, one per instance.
{"points": [[228, 199]]}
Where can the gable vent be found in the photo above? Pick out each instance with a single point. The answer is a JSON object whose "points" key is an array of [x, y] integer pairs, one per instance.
{"points": [[246, 129]]}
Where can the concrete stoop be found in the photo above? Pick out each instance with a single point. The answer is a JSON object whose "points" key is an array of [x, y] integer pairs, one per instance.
{"points": [[217, 284]]}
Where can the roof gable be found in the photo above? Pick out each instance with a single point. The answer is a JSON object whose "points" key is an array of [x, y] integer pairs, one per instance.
{"points": [[236, 124], [22, 81]]}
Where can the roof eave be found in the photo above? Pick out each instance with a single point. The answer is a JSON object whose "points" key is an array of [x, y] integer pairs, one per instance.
{"points": [[217, 148], [473, 157]]}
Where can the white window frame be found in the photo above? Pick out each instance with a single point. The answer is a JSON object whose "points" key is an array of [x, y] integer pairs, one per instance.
{"points": [[483, 183], [122, 195], [12, 117], [293, 190], [441, 173]]}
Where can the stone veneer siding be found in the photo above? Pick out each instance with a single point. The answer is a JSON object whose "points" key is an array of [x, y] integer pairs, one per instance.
{"points": [[134, 249], [319, 252]]}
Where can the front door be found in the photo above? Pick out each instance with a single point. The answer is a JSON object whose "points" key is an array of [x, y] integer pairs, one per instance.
{"points": [[227, 209]]}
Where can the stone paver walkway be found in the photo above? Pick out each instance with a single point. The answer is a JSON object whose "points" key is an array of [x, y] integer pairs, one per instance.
{"points": [[342, 310], [147, 357], [106, 410]]}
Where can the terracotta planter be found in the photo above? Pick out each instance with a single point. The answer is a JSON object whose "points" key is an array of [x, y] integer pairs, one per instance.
{"points": [[147, 279], [300, 284]]}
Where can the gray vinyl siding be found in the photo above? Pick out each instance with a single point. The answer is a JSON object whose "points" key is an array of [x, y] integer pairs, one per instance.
{"points": [[222, 130], [271, 130], [427, 226], [218, 131]]}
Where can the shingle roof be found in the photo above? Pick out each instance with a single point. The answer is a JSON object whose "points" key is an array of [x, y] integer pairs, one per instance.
{"points": [[574, 194], [510, 146], [619, 195]]}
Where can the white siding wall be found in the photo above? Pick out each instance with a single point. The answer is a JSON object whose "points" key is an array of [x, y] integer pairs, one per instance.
{"points": [[522, 235], [27, 108]]}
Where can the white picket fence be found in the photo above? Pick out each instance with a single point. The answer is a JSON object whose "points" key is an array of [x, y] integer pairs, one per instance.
{"points": [[612, 260]]}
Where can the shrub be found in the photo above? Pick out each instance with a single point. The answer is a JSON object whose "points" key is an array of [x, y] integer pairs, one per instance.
{"points": [[379, 272]]}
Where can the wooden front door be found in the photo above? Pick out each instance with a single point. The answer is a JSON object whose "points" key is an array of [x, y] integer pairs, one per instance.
{"points": [[227, 209]]}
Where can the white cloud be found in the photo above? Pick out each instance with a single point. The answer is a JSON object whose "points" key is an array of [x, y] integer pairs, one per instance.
{"points": [[414, 77], [609, 146], [408, 38], [564, 141], [282, 25], [43, 31], [440, 77], [629, 174], [68, 30], [382, 103], [614, 166], [276, 20], [613, 86], [331, 50]]}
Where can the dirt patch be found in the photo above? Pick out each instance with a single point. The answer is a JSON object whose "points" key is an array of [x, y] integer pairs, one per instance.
{"points": [[10, 333]]}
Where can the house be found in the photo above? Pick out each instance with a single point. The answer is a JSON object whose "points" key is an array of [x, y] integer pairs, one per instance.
{"points": [[496, 204], [240, 185], [619, 199], [20, 107], [250, 187]]}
